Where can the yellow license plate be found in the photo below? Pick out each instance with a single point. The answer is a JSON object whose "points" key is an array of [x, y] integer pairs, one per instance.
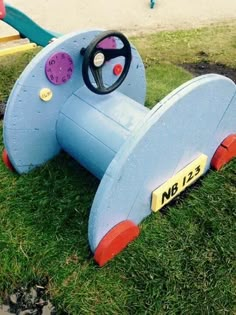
{"points": [[175, 185]]}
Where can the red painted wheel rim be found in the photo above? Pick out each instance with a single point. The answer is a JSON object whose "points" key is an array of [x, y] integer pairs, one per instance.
{"points": [[224, 153], [6, 160], [115, 241]]}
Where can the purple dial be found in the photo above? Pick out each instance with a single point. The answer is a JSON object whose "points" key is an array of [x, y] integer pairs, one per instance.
{"points": [[59, 68], [108, 43]]}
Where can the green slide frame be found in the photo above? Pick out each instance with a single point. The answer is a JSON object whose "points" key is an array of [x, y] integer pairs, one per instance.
{"points": [[27, 27]]}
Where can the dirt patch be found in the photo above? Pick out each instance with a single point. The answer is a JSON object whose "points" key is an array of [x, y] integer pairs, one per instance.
{"points": [[28, 301], [205, 67], [2, 110]]}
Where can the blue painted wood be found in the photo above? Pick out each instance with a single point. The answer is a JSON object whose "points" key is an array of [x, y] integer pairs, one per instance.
{"points": [[193, 119], [30, 123], [92, 128]]}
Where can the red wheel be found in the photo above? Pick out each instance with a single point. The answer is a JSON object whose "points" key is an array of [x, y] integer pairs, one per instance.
{"points": [[225, 152], [115, 241], [6, 160]]}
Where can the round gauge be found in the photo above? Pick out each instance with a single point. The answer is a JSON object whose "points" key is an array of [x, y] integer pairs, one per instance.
{"points": [[108, 43], [59, 68]]}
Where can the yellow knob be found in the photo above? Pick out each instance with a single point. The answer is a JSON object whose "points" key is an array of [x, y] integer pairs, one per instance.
{"points": [[46, 94]]}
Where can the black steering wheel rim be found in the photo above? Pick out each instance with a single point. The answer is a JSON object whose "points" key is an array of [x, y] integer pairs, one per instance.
{"points": [[95, 58]]}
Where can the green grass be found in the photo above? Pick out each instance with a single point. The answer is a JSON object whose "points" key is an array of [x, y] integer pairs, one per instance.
{"points": [[10, 69], [218, 42], [184, 260]]}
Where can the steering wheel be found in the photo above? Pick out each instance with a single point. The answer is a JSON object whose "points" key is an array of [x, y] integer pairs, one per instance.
{"points": [[95, 58]]}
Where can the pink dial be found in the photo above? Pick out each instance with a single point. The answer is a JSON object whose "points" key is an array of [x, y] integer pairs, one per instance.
{"points": [[59, 68]]}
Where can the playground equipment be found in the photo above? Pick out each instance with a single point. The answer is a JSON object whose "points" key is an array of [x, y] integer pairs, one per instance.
{"points": [[152, 3], [26, 27], [84, 93]]}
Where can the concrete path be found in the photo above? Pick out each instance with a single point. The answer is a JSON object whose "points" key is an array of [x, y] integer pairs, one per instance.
{"points": [[130, 16]]}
